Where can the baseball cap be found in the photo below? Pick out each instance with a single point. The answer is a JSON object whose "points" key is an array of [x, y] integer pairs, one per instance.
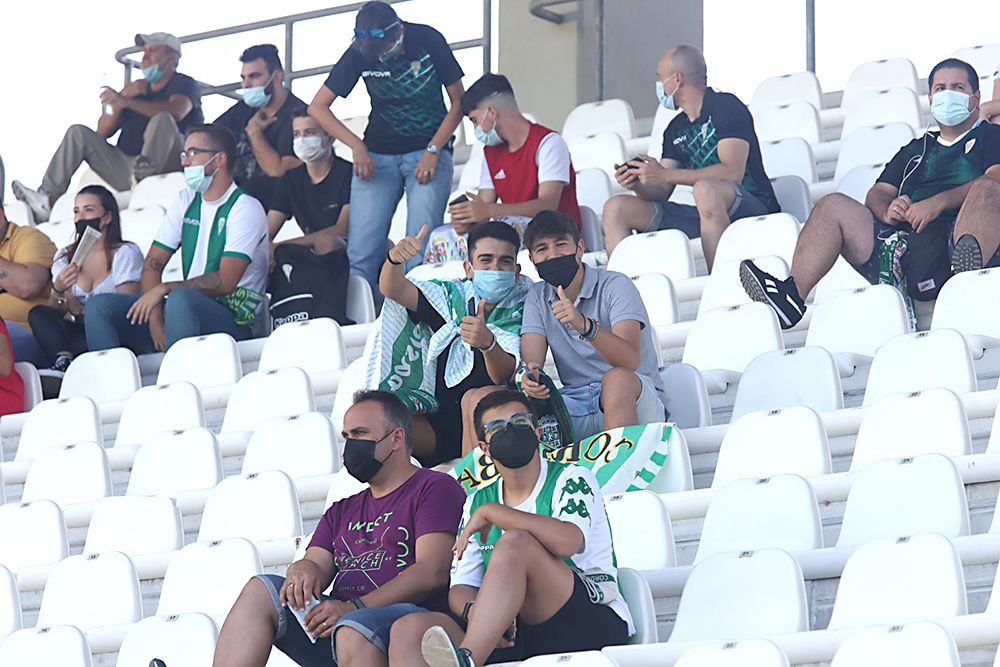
{"points": [[159, 39]]}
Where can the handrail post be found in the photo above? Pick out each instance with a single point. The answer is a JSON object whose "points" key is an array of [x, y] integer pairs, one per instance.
{"points": [[487, 36], [289, 26]]}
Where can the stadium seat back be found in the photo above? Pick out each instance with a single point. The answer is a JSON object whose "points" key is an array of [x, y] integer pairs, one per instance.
{"points": [[742, 595], [667, 252], [162, 407], [581, 659], [921, 643], [657, 293], [792, 156], [881, 107], [599, 150], [879, 75], [723, 287], [868, 145], [773, 234], [923, 494], [351, 381], [204, 361], [69, 474], [806, 376], [315, 346], [661, 119], [686, 396], [984, 59], [91, 591], [33, 534], [300, 446], [900, 580], [593, 189], [777, 512], [187, 639], [140, 225], [906, 425], [858, 180], [639, 599], [794, 119], [160, 190], [590, 229], [917, 361], [342, 485], [777, 442], [261, 395], [641, 529], [61, 645], [747, 653], [10, 603], [104, 376], [135, 525], [730, 338], [170, 463], [788, 88], [472, 170], [959, 304], [834, 326], [842, 276], [614, 115], [60, 232], [793, 196], [58, 422], [259, 506], [676, 474], [32, 384], [360, 302]]}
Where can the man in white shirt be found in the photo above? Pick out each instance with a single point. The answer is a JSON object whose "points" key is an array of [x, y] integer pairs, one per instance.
{"points": [[222, 234]]}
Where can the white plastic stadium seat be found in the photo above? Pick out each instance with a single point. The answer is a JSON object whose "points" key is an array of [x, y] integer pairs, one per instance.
{"points": [[788, 88], [881, 107], [140, 226], [924, 360], [91, 591], [834, 323], [204, 361], [984, 58], [644, 537], [62, 209], [19, 212], [747, 653], [657, 293], [300, 446], [742, 595], [261, 395], [667, 252], [342, 485], [70, 474], [723, 287], [315, 346], [260, 506], [921, 422], [959, 307], [614, 115], [163, 407], [32, 384], [923, 494], [805, 376], [158, 190], [207, 577], [730, 338], [104, 376], [879, 75], [922, 643], [582, 659], [639, 599], [173, 462], [33, 534], [57, 422], [590, 230], [777, 512], [794, 119], [351, 381], [600, 150], [472, 170], [61, 645], [871, 145], [187, 639], [900, 580], [60, 232], [593, 189], [135, 525], [789, 157], [793, 196], [774, 234], [360, 303], [10, 603], [856, 182], [661, 119]]}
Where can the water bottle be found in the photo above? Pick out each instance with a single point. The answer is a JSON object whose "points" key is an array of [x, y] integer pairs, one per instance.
{"points": [[106, 109]]}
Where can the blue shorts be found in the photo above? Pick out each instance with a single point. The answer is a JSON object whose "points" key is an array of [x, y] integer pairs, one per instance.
{"points": [[672, 215], [289, 637], [583, 404]]}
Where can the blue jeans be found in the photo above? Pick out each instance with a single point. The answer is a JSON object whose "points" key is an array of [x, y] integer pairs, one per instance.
{"points": [[24, 344], [289, 637], [186, 313], [373, 203]]}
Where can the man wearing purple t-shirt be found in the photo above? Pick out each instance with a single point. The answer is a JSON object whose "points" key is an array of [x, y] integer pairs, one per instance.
{"points": [[382, 552]]}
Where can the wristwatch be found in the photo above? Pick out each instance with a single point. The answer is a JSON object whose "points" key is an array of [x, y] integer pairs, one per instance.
{"points": [[432, 149]]}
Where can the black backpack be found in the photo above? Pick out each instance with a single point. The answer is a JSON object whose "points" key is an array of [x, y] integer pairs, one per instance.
{"points": [[304, 285]]}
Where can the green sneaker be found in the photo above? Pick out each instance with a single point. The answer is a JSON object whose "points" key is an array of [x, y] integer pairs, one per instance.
{"points": [[439, 651]]}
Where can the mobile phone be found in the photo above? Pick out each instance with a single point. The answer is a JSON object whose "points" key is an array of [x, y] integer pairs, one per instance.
{"points": [[460, 199], [300, 616], [629, 163]]}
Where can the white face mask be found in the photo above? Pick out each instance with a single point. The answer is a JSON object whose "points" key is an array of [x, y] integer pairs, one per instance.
{"points": [[309, 149]]}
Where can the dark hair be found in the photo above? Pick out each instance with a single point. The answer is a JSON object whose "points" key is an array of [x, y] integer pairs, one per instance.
{"points": [[300, 112], [375, 14], [221, 139], [955, 63], [493, 229], [495, 400], [485, 87], [266, 52], [550, 225], [394, 412], [111, 238]]}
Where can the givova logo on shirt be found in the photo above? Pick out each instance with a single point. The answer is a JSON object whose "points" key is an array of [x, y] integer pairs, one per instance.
{"points": [[376, 73]]}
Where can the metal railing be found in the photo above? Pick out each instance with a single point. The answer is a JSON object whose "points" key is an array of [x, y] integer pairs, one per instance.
{"points": [[540, 9], [288, 22]]}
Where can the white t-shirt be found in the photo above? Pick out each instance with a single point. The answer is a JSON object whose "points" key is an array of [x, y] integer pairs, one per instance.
{"points": [[576, 499], [126, 267], [245, 232], [552, 158]]}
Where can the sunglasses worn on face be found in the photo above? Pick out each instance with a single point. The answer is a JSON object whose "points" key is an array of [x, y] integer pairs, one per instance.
{"points": [[518, 419], [374, 33]]}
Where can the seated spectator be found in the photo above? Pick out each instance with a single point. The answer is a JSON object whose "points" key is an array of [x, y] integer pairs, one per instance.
{"points": [[534, 559], [474, 327], [711, 145], [221, 233], [384, 550], [596, 325], [151, 113], [990, 111], [11, 384], [407, 144], [526, 169], [936, 204], [25, 262], [262, 124], [112, 265]]}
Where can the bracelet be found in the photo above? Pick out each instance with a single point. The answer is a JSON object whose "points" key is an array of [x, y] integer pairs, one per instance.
{"points": [[388, 258], [60, 292], [358, 604], [492, 345], [465, 611], [591, 331]]}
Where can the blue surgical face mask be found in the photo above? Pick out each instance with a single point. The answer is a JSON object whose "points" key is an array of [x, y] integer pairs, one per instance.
{"points": [[154, 73], [257, 96], [196, 178], [492, 286], [667, 101], [950, 107], [491, 138]]}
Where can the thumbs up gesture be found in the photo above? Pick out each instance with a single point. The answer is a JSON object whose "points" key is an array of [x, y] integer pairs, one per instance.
{"points": [[408, 247], [473, 328], [566, 312]]}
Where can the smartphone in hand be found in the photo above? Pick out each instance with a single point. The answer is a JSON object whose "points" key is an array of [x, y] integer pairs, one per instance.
{"points": [[460, 199]]}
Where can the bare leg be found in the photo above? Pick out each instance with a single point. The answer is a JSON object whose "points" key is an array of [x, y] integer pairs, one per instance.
{"points": [[407, 632], [469, 402], [620, 389], [713, 198], [246, 636], [353, 650], [424, 439], [980, 216], [624, 214], [837, 226]]}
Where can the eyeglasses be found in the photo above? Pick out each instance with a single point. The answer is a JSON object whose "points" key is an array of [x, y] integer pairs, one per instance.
{"points": [[519, 419], [374, 33], [192, 152]]}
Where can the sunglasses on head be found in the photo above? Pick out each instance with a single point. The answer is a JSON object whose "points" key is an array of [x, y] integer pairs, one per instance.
{"points": [[518, 419], [374, 33]]}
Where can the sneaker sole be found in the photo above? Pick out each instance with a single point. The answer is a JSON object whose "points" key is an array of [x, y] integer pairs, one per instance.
{"points": [[966, 257], [437, 649], [756, 291]]}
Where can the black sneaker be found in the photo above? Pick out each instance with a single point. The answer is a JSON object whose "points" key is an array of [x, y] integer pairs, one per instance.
{"points": [[156, 662], [62, 362], [781, 295], [439, 651], [966, 255]]}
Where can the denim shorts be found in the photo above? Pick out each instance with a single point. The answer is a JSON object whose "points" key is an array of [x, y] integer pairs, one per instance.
{"points": [[672, 215], [373, 623], [583, 404]]}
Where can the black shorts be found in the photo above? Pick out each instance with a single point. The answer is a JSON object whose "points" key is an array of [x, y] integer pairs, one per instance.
{"points": [[447, 426]]}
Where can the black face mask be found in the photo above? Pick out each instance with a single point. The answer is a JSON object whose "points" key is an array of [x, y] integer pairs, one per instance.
{"points": [[359, 458], [558, 271], [514, 446], [81, 226]]}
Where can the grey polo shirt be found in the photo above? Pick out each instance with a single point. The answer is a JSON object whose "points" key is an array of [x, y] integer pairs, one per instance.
{"points": [[606, 296]]}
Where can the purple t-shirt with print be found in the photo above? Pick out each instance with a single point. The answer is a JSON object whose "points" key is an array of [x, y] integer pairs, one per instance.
{"points": [[374, 539]]}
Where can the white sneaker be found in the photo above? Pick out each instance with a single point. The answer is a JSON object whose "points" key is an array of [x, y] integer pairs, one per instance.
{"points": [[37, 200]]}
